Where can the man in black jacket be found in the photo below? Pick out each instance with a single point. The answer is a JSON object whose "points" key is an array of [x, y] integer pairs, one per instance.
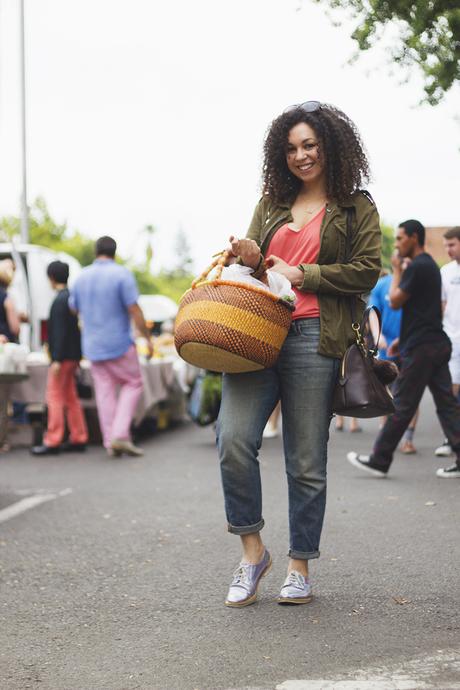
{"points": [[65, 353]]}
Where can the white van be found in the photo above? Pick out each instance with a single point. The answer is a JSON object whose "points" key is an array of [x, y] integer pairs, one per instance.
{"points": [[31, 290]]}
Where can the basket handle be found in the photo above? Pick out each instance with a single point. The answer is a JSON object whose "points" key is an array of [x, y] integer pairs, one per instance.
{"points": [[220, 261]]}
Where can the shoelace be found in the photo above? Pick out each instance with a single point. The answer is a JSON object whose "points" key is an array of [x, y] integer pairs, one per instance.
{"points": [[240, 576], [295, 579]]}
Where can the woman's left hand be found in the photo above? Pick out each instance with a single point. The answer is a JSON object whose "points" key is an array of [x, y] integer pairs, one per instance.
{"points": [[292, 273]]}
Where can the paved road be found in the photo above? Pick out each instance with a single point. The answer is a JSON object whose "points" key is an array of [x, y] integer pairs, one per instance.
{"points": [[116, 579]]}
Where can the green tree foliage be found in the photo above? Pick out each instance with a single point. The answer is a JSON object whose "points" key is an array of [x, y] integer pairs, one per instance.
{"points": [[183, 254], [388, 244], [173, 282], [47, 233], [149, 231], [429, 36], [163, 283]]}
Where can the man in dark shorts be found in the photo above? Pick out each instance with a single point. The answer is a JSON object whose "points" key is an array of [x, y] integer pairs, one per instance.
{"points": [[424, 349]]}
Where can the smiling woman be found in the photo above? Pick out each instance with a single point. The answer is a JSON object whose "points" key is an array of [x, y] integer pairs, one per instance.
{"points": [[324, 134], [303, 155], [313, 168]]}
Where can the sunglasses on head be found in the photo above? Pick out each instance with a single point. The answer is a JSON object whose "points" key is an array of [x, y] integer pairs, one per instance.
{"points": [[308, 106]]}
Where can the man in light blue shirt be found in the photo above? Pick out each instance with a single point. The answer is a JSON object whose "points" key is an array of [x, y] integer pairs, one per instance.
{"points": [[105, 296]]}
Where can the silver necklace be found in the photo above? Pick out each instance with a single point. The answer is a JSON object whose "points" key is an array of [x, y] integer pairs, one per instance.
{"points": [[316, 208]]}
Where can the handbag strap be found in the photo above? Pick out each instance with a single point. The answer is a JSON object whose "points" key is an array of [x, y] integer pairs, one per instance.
{"points": [[351, 299], [365, 322], [359, 328]]}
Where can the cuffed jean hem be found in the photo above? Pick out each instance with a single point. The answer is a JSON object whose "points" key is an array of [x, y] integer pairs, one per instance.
{"points": [[246, 529], [302, 555]]}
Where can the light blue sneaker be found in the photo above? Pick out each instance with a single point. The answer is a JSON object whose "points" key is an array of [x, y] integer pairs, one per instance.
{"points": [[295, 590], [243, 589]]}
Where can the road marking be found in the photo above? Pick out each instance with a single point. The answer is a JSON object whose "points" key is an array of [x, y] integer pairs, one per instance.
{"points": [[370, 684], [415, 674], [28, 503]]}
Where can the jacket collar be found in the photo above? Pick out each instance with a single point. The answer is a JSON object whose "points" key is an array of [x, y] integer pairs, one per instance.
{"points": [[331, 206], [348, 203]]}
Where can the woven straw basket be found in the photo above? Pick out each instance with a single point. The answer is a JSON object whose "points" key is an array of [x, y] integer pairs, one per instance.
{"points": [[230, 327]]}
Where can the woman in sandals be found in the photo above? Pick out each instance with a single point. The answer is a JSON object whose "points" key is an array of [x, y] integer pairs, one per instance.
{"points": [[314, 165]]}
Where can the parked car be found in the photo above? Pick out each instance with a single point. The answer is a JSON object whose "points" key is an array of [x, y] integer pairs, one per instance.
{"points": [[30, 289]]}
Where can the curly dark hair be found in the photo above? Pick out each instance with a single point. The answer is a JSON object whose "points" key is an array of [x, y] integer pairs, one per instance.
{"points": [[347, 167]]}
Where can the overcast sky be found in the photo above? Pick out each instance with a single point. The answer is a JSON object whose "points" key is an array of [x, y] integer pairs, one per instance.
{"points": [[149, 111]]}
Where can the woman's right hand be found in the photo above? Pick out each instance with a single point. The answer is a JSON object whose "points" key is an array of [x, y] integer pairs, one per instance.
{"points": [[248, 250]]}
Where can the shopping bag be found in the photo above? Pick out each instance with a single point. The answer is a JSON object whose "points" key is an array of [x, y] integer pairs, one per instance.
{"points": [[204, 402]]}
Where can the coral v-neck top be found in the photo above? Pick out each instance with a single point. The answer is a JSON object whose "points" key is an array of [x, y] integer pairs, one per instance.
{"points": [[300, 247]]}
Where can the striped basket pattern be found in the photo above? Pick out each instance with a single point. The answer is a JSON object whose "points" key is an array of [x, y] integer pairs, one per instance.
{"points": [[231, 327]]}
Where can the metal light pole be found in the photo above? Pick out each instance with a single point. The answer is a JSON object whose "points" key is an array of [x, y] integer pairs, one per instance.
{"points": [[24, 207]]}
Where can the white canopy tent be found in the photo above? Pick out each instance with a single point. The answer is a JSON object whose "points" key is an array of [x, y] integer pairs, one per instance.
{"points": [[158, 308]]}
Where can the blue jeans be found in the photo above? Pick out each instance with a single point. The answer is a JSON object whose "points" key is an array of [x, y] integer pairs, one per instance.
{"points": [[304, 382]]}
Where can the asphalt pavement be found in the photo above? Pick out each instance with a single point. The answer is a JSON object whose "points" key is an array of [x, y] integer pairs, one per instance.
{"points": [[114, 572]]}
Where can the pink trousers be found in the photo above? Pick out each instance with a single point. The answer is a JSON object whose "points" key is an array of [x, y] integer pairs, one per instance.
{"points": [[62, 401], [118, 387]]}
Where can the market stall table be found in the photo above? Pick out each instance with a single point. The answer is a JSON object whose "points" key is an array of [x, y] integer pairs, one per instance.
{"points": [[158, 376]]}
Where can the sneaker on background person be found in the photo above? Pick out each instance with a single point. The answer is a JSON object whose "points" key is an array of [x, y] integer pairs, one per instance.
{"points": [[123, 445], [69, 447], [365, 464], [444, 450], [43, 449], [452, 472]]}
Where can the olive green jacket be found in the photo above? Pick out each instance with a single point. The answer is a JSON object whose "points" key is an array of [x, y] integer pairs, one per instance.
{"points": [[332, 278]]}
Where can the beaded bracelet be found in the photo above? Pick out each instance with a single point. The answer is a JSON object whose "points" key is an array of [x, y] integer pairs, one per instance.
{"points": [[260, 268]]}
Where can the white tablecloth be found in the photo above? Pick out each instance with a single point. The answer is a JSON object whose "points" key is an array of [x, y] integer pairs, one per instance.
{"points": [[157, 374]]}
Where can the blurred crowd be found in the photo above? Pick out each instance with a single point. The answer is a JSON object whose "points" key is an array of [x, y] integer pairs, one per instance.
{"points": [[95, 320], [98, 319]]}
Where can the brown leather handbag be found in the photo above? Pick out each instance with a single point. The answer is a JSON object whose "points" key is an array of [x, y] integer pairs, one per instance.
{"points": [[362, 388]]}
